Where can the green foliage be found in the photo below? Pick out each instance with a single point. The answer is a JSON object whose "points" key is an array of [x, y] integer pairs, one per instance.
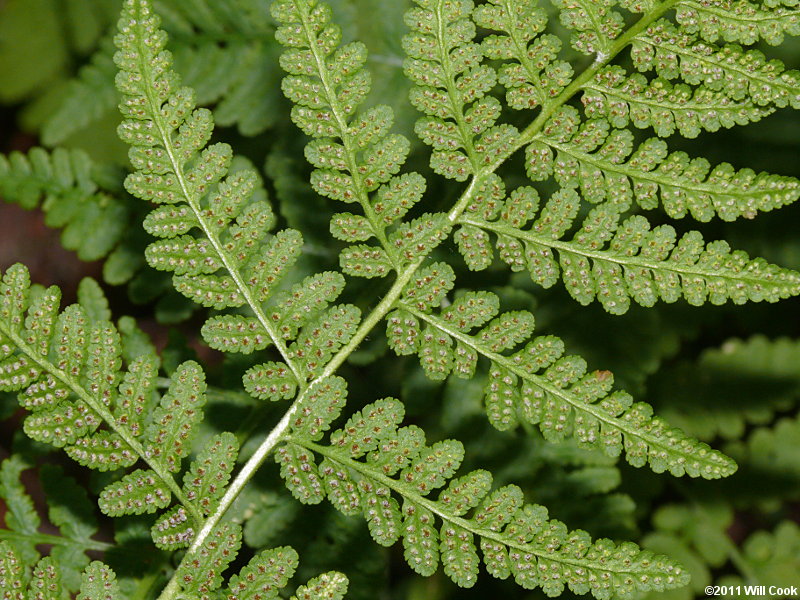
{"points": [[515, 539], [613, 260], [66, 184], [610, 167], [564, 187], [541, 386], [70, 511]]}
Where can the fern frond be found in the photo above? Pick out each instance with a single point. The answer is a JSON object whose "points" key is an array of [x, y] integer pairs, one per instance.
{"points": [[624, 99], [69, 510], [595, 24], [738, 21], [64, 182], [68, 371], [739, 73], [262, 578], [615, 260], [374, 465], [354, 153], [31, 65], [541, 386], [213, 229], [535, 75], [604, 164], [97, 581], [450, 87]]}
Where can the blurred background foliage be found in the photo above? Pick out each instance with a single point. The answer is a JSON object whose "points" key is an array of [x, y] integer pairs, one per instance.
{"points": [[729, 376]]}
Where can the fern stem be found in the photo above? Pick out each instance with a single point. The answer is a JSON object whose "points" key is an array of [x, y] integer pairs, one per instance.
{"points": [[530, 132], [193, 202], [104, 414]]}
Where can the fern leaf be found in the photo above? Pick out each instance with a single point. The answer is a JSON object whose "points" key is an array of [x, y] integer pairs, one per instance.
{"points": [[595, 24], [738, 73], [11, 571], [266, 573], [328, 586], [69, 373], [202, 575], [228, 263], [227, 59], [99, 582], [451, 87], [173, 530], [353, 152], [608, 166], [270, 381], [726, 378], [136, 493], [175, 420], [21, 517], [45, 581], [69, 511], [540, 386], [515, 538], [89, 97], [64, 183], [205, 481], [322, 338], [616, 261], [534, 76], [624, 99], [741, 21]]}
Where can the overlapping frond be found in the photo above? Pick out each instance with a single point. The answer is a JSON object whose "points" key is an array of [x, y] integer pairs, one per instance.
{"points": [[64, 183], [612, 259], [213, 227], [726, 389], [387, 473], [451, 86], [739, 73], [605, 164], [738, 20], [533, 74], [69, 510], [622, 99], [538, 384], [224, 50]]}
